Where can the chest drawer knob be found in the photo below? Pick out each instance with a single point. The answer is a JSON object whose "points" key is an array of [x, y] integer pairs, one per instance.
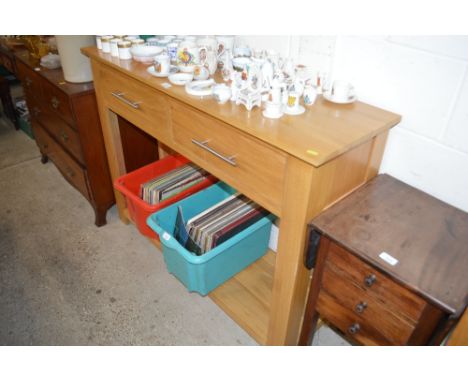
{"points": [[370, 280], [361, 307], [64, 136], [354, 328], [28, 81], [55, 102]]}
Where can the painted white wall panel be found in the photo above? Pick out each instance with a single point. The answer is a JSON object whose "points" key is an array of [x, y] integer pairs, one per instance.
{"points": [[428, 166], [419, 86], [456, 134], [452, 46]]}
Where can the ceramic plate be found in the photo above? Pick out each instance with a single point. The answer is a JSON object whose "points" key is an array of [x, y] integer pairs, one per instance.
{"points": [[180, 79], [299, 111], [200, 88], [151, 71], [329, 97]]}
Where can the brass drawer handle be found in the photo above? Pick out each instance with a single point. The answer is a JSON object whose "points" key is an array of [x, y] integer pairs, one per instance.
{"points": [[64, 136], [55, 102], [28, 81], [354, 328], [120, 96], [360, 307], [204, 145], [370, 280]]}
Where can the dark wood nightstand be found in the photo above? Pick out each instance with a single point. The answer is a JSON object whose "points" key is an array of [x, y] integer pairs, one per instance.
{"points": [[391, 266]]}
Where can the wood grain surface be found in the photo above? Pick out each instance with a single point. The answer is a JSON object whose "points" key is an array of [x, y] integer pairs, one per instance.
{"points": [[428, 238]]}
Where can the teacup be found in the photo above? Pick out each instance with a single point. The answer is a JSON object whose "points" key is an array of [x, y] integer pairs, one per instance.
{"points": [[293, 101], [162, 64], [342, 90], [273, 108]]}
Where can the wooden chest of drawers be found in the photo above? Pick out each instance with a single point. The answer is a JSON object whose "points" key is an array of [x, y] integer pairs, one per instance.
{"points": [[66, 126], [391, 266]]}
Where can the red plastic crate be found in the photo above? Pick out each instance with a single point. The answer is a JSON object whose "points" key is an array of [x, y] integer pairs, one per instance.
{"points": [[129, 186]]}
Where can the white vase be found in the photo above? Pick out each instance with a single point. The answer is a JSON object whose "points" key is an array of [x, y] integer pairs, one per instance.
{"points": [[75, 65]]}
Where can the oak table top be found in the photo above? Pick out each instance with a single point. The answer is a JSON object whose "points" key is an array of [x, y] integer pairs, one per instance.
{"points": [[428, 238], [322, 133]]}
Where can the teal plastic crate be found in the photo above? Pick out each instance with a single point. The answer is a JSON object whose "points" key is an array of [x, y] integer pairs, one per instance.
{"points": [[204, 273]]}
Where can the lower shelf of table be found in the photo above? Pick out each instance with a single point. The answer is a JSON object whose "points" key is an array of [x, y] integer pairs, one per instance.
{"points": [[246, 297]]}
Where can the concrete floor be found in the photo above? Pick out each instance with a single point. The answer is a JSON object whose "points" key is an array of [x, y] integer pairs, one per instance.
{"points": [[63, 281]]}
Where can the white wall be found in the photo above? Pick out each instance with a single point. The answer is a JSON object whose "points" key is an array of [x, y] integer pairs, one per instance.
{"points": [[423, 78]]}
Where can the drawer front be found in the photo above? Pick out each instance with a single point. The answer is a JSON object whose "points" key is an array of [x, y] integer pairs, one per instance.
{"points": [[380, 287], [373, 313], [348, 322], [69, 168], [256, 170], [58, 128], [30, 80], [136, 102], [58, 102]]}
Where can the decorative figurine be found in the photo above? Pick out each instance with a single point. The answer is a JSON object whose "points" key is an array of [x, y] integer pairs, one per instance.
{"points": [[249, 99]]}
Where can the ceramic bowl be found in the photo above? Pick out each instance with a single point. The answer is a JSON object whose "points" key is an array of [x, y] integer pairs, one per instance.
{"points": [[239, 63], [145, 50], [242, 51]]}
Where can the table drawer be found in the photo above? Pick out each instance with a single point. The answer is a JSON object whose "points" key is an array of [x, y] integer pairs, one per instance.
{"points": [[69, 168], [376, 284], [248, 165], [351, 324], [58, 128], [58, 102], [30, 80], [136, 102], [355, 298]]}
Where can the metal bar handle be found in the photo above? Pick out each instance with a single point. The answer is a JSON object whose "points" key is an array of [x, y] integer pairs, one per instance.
{"points": [[204, 145], [121, 97]]}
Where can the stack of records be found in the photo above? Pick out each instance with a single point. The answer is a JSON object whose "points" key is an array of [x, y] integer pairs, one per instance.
{"points": [[217, 224], [172, 183]]}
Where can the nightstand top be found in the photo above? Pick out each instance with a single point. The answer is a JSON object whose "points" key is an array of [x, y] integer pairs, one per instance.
{"points": [[386, 219]]}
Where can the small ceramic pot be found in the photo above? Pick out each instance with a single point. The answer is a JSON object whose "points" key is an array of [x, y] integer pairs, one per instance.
{"points": [[201, 72], [221, 93]]}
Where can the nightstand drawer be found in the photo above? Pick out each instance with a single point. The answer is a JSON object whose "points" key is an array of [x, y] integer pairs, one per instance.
{"points": [[350, 323], [58, 128], [376, 284], [373, 312], [253, 168], [69, 168]]}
